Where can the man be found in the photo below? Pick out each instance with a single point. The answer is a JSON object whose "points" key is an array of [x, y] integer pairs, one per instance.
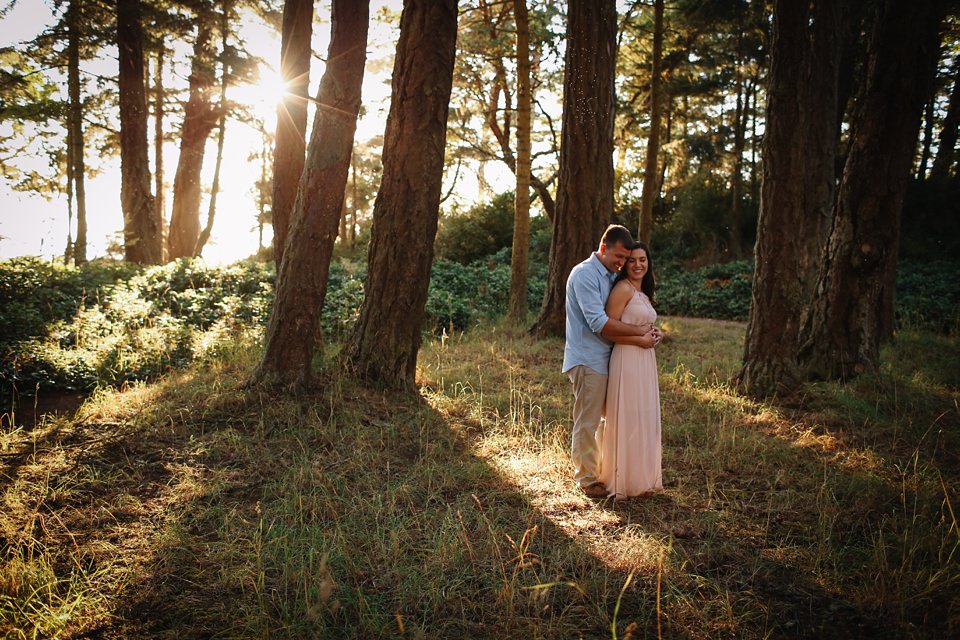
{"points": [[589, 340]]}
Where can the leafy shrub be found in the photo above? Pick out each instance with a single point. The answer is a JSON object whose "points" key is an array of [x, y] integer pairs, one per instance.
{"points": [[486, 230], [107, 323], [462, 294], [720, 291], [35, 293], [931, 220], [928, 295], [480, 231], [344, 297]]}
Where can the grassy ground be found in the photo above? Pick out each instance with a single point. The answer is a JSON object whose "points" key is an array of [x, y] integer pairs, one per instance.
{"points": [[190, 508]]}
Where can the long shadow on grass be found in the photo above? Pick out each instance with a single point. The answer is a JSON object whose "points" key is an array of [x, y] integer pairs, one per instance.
{"points": [[356, 513], [363, 514]]}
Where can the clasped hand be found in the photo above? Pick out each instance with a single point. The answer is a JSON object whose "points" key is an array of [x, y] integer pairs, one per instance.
{"points": [[653, 337]]}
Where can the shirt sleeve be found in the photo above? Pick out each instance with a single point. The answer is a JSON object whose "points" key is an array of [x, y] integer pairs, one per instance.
{"points": [[588, 288]]}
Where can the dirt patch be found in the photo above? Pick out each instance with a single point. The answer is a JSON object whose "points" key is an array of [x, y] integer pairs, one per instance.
{"points": [[31, 410]]}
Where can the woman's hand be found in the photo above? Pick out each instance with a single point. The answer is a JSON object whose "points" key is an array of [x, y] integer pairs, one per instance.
{"points": [[658, 335]]}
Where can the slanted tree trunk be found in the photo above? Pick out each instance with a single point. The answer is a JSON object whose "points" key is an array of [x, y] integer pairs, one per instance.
{"points": [[227, 7], [943, 161], [290, 145], [384, 345], [199, 119], [852, 311], [585, 189], [651, 186], [521, 220], [142, 229], [302, 276], [798, 177], [75, 128]]}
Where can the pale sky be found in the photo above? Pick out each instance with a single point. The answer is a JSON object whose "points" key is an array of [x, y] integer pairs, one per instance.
{"points": [[31, 225]]}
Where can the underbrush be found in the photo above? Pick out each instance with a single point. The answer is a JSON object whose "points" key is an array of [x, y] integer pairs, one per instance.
{"points": [[108, 324], [194, 507]]}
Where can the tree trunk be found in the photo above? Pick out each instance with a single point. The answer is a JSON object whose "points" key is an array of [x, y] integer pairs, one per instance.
{"points": [[585, 190], [502, 133], [302, 277], [798, 176], [262, 188], [158, 137], [927, 140], [75, 129], [651, 189], [852, 312], [142, 229], [354, 194], [736, 174], [387, 337], [290, 146], [227, 7], [199, 119], [943, 161], [521, 220]]}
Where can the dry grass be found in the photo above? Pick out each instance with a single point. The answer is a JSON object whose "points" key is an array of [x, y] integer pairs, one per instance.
{"points": [[191, 508]]}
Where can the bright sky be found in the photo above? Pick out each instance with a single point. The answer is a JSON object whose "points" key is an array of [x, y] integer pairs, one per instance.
{"points": [[31, 225]]}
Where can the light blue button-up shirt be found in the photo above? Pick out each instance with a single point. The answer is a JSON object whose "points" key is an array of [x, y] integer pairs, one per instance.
{"points": [[588, 286]]}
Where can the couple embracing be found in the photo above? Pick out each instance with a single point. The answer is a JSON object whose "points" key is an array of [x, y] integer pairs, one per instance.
{"points": [[609, 357]]}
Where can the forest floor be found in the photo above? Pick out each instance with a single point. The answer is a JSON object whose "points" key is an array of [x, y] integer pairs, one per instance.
{"points": [[191, 507]]}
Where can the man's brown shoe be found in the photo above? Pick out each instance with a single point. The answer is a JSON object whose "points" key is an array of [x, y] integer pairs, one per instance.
{"points": [[595, 490]]}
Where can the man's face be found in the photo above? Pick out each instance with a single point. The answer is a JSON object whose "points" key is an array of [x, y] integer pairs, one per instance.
{"points": [[613, 256]]}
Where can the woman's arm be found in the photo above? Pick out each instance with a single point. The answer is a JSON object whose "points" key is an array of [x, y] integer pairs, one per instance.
{"points": [[615, 329]]}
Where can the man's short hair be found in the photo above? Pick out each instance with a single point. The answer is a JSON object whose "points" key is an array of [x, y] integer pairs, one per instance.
{"points": [[617, 234]]}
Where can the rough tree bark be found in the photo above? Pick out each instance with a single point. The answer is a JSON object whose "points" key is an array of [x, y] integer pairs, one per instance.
{"points": [[302, 277], [521, 220], [585, 190], [290, 146], [142, 229], [852, 311], [199, 119], [799, 145], [384, 345]]}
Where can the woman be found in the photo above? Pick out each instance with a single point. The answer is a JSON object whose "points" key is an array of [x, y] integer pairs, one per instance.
{"points": [[630, 446]]}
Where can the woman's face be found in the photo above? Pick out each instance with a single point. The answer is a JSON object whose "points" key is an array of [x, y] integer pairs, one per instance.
{"points": [[637, 265]]}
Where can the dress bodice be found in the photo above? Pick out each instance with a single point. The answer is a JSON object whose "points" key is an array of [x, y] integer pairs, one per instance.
{"points": [[639, 310]]}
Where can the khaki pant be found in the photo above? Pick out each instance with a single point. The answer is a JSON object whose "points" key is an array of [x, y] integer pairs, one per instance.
{"points": [[589, 404]]}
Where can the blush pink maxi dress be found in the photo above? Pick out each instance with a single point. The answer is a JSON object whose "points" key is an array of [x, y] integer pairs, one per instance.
{"points": [[630, 446]]}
